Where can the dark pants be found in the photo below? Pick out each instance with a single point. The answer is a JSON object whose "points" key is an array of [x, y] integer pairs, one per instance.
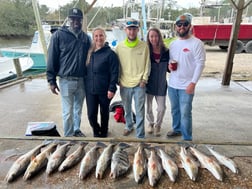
{"points": [[93, 103]]}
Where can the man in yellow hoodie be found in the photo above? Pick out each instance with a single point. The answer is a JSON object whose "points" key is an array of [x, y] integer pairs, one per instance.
{"points": [[133, 76]]}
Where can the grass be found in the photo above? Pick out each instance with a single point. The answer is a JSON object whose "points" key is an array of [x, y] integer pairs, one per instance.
{"points": [[168, 41]]}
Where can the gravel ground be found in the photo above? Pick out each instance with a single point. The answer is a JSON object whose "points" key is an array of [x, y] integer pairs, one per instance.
{"points": [[216, 63]]}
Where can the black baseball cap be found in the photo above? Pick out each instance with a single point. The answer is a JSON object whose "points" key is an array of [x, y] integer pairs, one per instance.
{"points": [[75, 13]]}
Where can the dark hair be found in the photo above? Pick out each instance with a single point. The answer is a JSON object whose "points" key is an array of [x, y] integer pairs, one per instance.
{"points": [[160, 41]]}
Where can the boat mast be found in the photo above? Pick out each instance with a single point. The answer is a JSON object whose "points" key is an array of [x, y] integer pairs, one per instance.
{"points": [[144, 20], [40, 29]]}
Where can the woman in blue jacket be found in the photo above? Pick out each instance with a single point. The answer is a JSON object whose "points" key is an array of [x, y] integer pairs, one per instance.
{"points": [[100, 82]]}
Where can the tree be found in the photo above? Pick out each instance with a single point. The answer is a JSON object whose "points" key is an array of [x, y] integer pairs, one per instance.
{"points": [[17, 18], [239, 6]]}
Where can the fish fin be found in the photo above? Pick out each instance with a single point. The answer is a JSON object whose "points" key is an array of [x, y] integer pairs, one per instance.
{"points": [[208, 146], [13, 156], [123, 145], [186, 144], [198, 163], [48, 154], [83, 143], [47, 141], [100, 145]]}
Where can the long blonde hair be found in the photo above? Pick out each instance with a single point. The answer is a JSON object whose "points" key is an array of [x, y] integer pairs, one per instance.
{"points": [[92, 46]]}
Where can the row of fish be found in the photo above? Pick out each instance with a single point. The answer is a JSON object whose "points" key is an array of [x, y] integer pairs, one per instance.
{"points": [[191, 160], [53, 157]]}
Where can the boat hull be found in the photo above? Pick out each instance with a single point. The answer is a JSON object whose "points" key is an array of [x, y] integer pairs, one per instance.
{"points": [[38, 58], [7, 67]]}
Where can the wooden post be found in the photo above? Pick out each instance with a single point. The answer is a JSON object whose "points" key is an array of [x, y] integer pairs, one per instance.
{"points": [[40, 29], [18, 68], [232, 45], [85, 12]]}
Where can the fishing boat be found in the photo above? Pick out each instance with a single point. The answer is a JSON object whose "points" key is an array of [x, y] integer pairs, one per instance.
{"points": [[34, 51], [146, 21], [7, 67]]}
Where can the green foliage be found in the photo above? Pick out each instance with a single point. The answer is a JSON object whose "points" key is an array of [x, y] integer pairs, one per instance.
{"points": [[16, 18], [106, 16], [168, 41]]}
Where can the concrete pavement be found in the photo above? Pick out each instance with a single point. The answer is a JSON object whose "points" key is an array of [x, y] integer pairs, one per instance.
{"points": [[222, 117], [221, 114]]}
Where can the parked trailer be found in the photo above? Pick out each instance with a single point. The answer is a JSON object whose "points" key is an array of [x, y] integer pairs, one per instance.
{"points": [[219, 34]]}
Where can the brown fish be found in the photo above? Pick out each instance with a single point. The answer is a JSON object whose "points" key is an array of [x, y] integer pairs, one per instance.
{"points": [[89, 161], [155, 168], [209, 163], [120, 163], [104, 160], [39, 161], [73, 158], [140, 164], [169, 165], [57, 157], [20, 165], [189, 164]]}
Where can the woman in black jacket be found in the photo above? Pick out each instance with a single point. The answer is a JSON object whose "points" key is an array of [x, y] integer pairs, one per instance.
{"points": [[157, 83], [100, 82]]}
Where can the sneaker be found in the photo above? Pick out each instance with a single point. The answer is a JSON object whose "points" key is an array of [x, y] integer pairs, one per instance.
{"points": [[173, 134], [78, 133], [157, 131], [150, 129], [126, 132]]}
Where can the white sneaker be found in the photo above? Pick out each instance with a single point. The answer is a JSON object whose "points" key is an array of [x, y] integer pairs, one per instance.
{"points": [[150, 128]]}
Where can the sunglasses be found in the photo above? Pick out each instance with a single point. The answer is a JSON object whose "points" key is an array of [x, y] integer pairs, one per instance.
{"points": [[185, 24], [132, 23], [72, 19]]}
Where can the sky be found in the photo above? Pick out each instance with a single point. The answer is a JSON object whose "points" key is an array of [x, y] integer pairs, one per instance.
{"points": [[56, 3]]}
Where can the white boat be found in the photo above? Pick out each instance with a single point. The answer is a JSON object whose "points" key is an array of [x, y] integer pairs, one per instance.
{"points": [[146, 22], [35, 51], [7, 67]]}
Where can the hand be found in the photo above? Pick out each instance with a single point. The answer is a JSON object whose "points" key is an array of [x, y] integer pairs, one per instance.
{"points": [[142, 83], [110, 95], [55, 89], [190, 88], [119, 84], [171, 68]]}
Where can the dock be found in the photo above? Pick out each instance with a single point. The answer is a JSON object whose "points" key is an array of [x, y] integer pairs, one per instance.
{"points": [[222, 118]]}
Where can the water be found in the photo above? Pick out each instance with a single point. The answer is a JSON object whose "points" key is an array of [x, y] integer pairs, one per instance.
{"points": [[17, 42]]}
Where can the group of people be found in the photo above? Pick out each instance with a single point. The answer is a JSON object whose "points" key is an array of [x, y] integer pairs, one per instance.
{"points": [[90, 68]]}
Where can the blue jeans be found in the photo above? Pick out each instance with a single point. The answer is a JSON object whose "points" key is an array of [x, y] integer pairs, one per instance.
{"points": [[138, 93], [72, 97], [181, 110]]}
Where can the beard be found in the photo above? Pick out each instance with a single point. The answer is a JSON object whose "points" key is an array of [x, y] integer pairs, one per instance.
{"points": [[184, 34], [76, 29], [75, 25]]}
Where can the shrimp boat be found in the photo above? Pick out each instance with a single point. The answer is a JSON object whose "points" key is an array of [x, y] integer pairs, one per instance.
{"points": [[35, 51], [145, 19]]}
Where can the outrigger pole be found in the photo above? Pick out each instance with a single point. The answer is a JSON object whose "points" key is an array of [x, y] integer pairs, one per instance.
{"points": [[40, 29]]}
